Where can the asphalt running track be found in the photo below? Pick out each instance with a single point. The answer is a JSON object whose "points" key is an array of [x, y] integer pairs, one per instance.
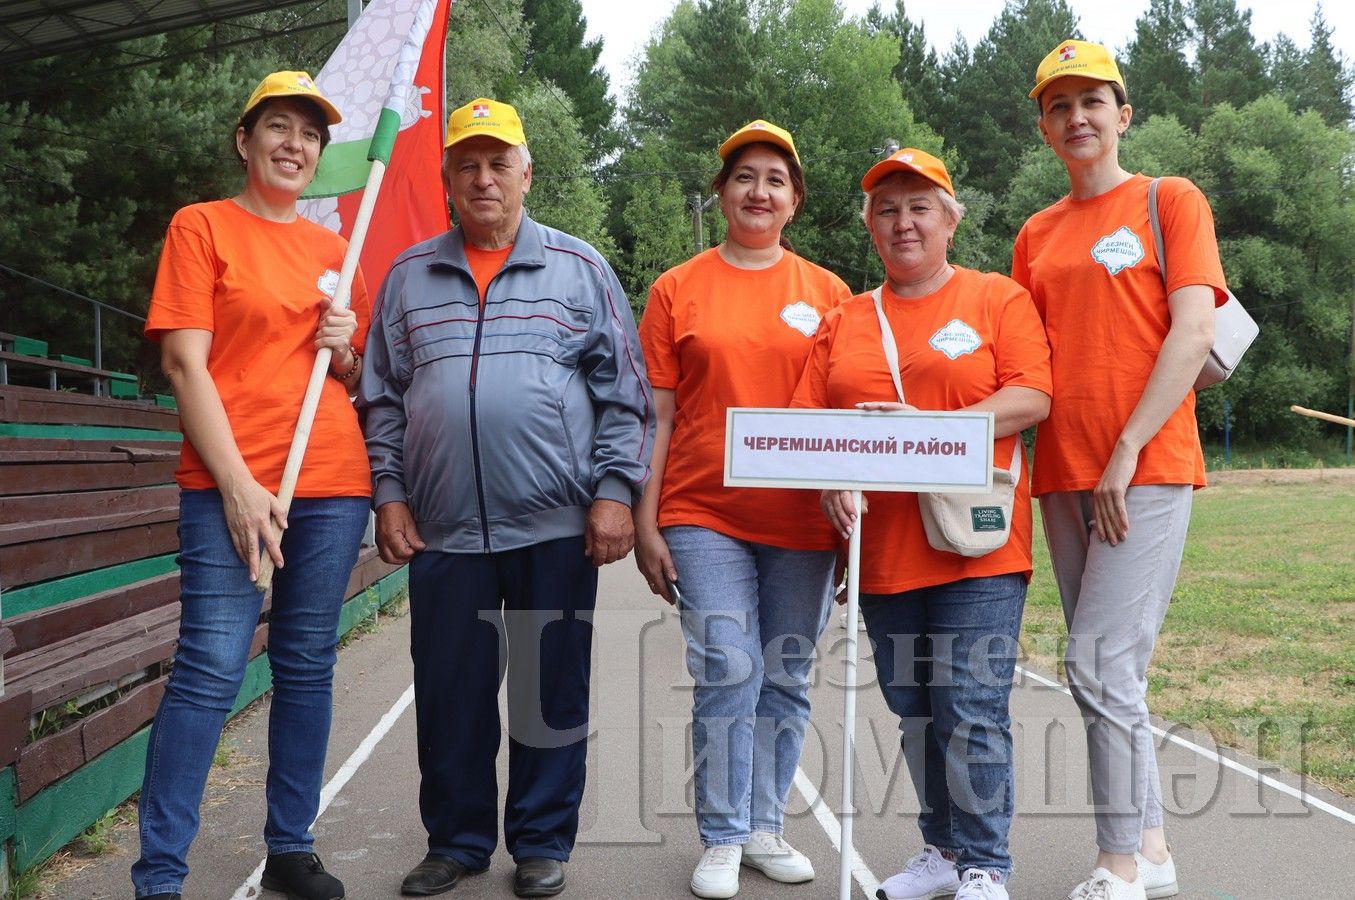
{"points": [[1241, 829]]}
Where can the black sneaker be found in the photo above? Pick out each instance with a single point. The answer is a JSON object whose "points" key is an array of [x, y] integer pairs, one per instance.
{"points": [[301, 876]]}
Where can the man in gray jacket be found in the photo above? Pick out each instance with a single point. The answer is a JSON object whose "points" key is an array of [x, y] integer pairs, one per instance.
{"points": [[509, 425]]}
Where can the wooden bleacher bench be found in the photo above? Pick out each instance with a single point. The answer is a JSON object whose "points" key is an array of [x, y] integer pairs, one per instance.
{"points": [[88, 537], [99, 379]]}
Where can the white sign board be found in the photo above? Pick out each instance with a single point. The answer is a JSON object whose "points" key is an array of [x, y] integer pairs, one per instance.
{"points": [[858, 450]]}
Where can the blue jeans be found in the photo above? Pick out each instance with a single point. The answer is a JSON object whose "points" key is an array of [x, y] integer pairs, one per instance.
{"points": [[945, 657], [219, 612], [751, 615]]}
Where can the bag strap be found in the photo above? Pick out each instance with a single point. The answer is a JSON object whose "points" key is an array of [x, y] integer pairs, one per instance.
{"points": [[891, 351], [1156, 224], [891, 348]]}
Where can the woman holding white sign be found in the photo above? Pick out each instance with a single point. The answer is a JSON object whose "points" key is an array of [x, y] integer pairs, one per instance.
{"points": [[942, 611], [751, 570], [1119, 456]]}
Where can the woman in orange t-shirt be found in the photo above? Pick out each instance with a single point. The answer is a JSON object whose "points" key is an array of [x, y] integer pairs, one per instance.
{"points": [[1119, 456], [944, 626], [750, 570], [242, 302]]}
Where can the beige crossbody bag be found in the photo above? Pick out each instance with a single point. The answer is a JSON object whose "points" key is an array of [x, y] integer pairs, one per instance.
{"points": [[967, 524]]}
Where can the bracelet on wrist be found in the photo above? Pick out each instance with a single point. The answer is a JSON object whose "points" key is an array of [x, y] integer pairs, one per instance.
{"points": [[352, 370]]}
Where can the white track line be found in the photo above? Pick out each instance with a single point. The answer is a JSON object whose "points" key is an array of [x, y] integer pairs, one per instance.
{"points": [[1302, 796], [860, 871], [350, 767]]}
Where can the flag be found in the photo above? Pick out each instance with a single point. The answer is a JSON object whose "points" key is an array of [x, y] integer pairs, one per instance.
{"points": [[386, 77]]}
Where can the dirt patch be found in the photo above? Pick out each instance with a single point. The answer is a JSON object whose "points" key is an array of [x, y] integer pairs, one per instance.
{"points": [[1280, 476]]}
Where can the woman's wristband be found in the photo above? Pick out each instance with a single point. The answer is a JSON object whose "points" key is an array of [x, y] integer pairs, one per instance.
{"points": [[352, 370]]}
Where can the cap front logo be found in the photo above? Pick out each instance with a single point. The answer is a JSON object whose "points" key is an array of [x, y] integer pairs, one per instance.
{"points": [[905, 157], [1067, 53], [758, 125], [306, 83], [479, 111]]}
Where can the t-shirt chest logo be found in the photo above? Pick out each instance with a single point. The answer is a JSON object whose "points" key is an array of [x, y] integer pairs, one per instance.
{"points": [[802, 317], [328, 283], [1118, 250], [955, 339]]}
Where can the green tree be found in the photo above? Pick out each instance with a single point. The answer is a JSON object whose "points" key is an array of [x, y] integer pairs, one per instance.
{"points": [[564, 193], [1230, 67], [1155, 66], [918, 70], [486, 43], [656, 218], [558, 51], [98, 171], [710, 70], [1316, 79], [986, 114]]}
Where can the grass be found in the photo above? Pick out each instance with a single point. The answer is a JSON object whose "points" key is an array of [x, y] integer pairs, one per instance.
{"points": [[373, 623], [97, 841], [1258, 648], [1324, 452]]}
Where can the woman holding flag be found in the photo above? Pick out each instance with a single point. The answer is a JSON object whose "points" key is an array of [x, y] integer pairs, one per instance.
{"points": [[243, 300]]}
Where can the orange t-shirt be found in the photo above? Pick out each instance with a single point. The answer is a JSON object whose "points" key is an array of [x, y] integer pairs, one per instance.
{"points": [[992, 339], [485, 264], [721, 336], [1093, 272], [256, 285]]}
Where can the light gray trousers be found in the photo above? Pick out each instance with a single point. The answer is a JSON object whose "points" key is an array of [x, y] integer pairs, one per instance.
{"points": [[1114, 601]]}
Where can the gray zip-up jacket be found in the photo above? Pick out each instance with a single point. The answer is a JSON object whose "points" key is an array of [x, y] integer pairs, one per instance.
{"points": [[500, 424]]}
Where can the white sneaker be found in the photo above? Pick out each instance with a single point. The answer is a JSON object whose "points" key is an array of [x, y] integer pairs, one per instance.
{"points": [[979, 885], [772, 856], [1105, 885], [927, 875], [717, 874], [1159, 880]]}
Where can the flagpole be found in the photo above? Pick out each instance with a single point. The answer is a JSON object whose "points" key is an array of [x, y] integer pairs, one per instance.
{"points": [[320, 371], [847, 852], [379, 153]]}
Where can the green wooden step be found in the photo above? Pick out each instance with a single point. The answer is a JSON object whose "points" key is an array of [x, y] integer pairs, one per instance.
{"points": [[29, 346], [59, 812]]}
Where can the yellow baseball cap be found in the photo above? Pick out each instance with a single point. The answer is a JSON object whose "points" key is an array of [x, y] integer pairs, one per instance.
{"points": [[760, 130], [490, 118], [913, 161], [292, 84], [1076, 58]]}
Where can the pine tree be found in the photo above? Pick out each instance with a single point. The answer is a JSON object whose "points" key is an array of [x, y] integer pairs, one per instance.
{"points": [[985, 114], [559, 51], [1326, 82], [918, 71], [1156, 70], [1230, 67]]}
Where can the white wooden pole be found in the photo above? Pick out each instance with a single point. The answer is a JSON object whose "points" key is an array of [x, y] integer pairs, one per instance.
{"points": [[320, 371], [848, 852]]}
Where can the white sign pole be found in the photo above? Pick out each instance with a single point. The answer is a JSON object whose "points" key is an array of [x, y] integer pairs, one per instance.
{"points": [[847, 853], [839, 449]]}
